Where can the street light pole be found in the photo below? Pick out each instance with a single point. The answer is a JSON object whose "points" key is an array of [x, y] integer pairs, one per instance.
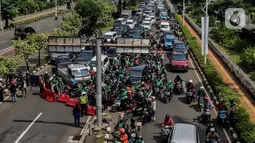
{"points": [[56, 9], [99, 82], [183, 12], [1, 21]]}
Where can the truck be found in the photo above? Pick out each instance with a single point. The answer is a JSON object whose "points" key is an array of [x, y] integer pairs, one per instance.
{"points": [[126, 14]]}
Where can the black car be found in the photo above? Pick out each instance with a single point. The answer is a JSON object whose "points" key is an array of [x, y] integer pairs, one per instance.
{"points": [[111, 53], [23, 32], [179, 46], [136, 73], [140, 28], [85, 56]]}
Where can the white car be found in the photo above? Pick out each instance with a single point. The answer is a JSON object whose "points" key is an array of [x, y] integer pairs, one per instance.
{"points": [[148, 19], [153, 19], [111, 35], [164, 26], [130, 23], [147, 25]]}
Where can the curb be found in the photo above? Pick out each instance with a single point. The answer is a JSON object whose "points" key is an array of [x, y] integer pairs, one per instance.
{"points": [[40, 68], [87, 130]]}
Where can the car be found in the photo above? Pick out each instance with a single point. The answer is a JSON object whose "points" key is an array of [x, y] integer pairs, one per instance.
{"points": [[178, 61], [110, 36], [140, 28], [130, 23], [136, 73], [119, 31], [148, 19], [164, 26], [163, 15], [105, 63], [168, 40], [85, 56], [147, 25], [53, 57], [23, 32], [148, 11], [179, 46], [184, 133], [153, 19], [111, 53], [135, 33], [119, 22]]}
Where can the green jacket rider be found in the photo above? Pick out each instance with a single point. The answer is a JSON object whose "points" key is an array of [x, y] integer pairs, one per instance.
{"points": [[107, 86], [159, 82], [116, 61], [169, 84], [123, 94]]}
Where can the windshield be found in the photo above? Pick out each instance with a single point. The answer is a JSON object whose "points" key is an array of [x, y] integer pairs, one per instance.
{"points": [[129, 22], [93, 64], [108, 36], [145, 23], [86, 55], [80, 72], [164, 26], [111, 51], [148, 10], [169, 40], [135, 73], [118, 31], [180, 46], [170, 36], [179, 57]]}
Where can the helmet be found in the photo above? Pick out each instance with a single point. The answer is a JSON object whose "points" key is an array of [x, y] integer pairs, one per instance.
{"points": [[128, 88], [140, 138], [122, 130], [142, 82], [178, 75], [212, 130], [201, 87], [190, 81], [167, 116], [163, 67], [83, 93], [115, 58], [1, 79], [170, 81], [207, 98], [46, 72]]}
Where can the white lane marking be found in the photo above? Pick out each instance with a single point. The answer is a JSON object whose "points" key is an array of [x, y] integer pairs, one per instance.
{"points": [[83, 129], [38, 29], [3, 41], [27, 128], [50, 24], [200, 81]]}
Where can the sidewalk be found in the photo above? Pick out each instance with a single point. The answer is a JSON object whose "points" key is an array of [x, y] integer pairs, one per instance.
{"points": [[36, 14]]}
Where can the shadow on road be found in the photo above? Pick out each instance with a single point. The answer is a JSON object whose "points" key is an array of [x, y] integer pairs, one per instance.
{"points": [[45, 122]]}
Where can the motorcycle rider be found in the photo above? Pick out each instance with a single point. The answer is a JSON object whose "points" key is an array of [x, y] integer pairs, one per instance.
{"points": [[177, 78], [207, 104], [168, 121], [123, 137], [139, 140], [222, 105], [115, 61], [212, 135], [232, 109], [201, 93], [190, 87], [73, 82], [210, 125], [169, 85]]}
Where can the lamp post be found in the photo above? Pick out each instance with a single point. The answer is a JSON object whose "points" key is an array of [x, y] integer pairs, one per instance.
{"points": [[56, 9], [1, 21], [183, 12]]}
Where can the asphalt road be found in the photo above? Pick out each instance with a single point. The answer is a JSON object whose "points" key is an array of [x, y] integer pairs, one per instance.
{"points": [[179, 110], [54, 125], [45, 25]]}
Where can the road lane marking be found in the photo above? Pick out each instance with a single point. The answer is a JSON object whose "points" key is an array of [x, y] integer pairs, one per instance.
{"points": [[4, 41], [200, 81], [38, 29], [17, 141], [50, 24]]}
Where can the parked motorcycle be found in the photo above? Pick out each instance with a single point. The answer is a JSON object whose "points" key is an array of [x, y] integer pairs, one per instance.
{"points": [[132, 137]]}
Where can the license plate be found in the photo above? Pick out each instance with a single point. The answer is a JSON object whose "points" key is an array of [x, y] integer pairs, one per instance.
{"points": [[167, 93]]}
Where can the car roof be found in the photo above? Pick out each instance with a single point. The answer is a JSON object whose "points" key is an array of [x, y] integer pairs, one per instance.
{"points": [[178, 42], [77, 66], [168, 32], [110, 33], [138, 68], [102, 57], [146, 21], [164, 23], [177, 53], [130, 20], [147, 18], [120, 19], [184, 133]]}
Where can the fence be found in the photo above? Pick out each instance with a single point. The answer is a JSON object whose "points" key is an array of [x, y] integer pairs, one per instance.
{"points": [[235, 69]]}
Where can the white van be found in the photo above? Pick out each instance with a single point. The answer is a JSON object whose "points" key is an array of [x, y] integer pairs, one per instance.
{"points": [[164, 26], [104, 60]]}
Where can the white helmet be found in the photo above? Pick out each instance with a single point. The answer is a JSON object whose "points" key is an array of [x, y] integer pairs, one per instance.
{"points": [[190, 81], [1, 79], [153, 97], [201, 87], [83, 93], [212, 130]]}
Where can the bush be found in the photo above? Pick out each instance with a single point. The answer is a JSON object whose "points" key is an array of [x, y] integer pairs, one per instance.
{"points": [[243, 125]]}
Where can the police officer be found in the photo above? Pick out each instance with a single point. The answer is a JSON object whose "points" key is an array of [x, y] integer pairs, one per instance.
{"points": [[83, 101]]}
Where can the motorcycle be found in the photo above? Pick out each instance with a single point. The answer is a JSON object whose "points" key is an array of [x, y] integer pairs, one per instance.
{"points": [[146, 117], [189, 96], [178, 87], [201, 103], [132, 137], [206, 116], [135, 111], [212, 141], [222, 118], [168, 95], [157, 91], [165, 133], [116, 105]]}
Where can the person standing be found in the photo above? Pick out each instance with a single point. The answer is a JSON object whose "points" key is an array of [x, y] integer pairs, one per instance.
{"points": [[13, 90], [76, 115], [153, 107], [1, 90], [23, 87], [83, 101]]}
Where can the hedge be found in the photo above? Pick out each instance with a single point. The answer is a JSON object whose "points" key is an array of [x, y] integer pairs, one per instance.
{"points": [[243, 125], [29, 21]]}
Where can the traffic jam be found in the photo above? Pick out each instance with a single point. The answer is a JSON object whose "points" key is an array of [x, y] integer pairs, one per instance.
{"points": [[135, 78]]}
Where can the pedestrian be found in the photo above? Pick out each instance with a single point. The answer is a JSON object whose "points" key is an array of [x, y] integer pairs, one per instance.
{"points": [[92, 73], [41, 84], [153, 107], [13, 90], [1, 90], [23, 87], [76, 115], [83, 101]]}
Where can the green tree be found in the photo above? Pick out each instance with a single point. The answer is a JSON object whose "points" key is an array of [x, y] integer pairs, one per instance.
{"points": [[72, 23], [39, 42], [95, 14], [248, 58], [24, 50], [9, 11], [8, 66]]}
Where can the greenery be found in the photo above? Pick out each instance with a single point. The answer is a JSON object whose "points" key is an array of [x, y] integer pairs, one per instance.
{"points": [[243, 124], [14, 8], [8, 66]]}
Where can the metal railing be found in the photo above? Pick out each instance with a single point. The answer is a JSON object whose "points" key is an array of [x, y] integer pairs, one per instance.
{"points": [[233, 67]]}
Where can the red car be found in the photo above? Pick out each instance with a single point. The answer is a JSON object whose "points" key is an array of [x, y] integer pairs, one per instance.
{"points": [[178, 61]]}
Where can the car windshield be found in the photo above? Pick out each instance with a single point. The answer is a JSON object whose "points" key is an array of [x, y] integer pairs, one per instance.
{"points": [[146, 23], [169, 40], [164, 26], [107, 36], [129, 22], [86, 55], [118, 31], [148, 10], [170, 36], [179, 57], [93, 64], [80, 72], [180, 46], [111, 51], [134, 73], [118, 23]]}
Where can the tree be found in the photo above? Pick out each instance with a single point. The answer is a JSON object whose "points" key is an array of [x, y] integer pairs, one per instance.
{"points": [[95, 13], [38, 41], [24, 50], [9, 11], [8, 66], [248, 58]]}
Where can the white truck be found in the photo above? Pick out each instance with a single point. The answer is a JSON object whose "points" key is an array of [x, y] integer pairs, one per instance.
{"points": [[126, 14]]}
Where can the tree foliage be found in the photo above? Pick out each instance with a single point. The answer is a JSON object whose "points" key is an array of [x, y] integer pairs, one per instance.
{"points": [[9, 11], [248, 57], [95, 14], [8, 66]]}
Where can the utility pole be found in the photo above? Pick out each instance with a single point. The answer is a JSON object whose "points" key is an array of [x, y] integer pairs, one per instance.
{"points": [[56, 9], [1, 21], [99, 82], [183, 12]]}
